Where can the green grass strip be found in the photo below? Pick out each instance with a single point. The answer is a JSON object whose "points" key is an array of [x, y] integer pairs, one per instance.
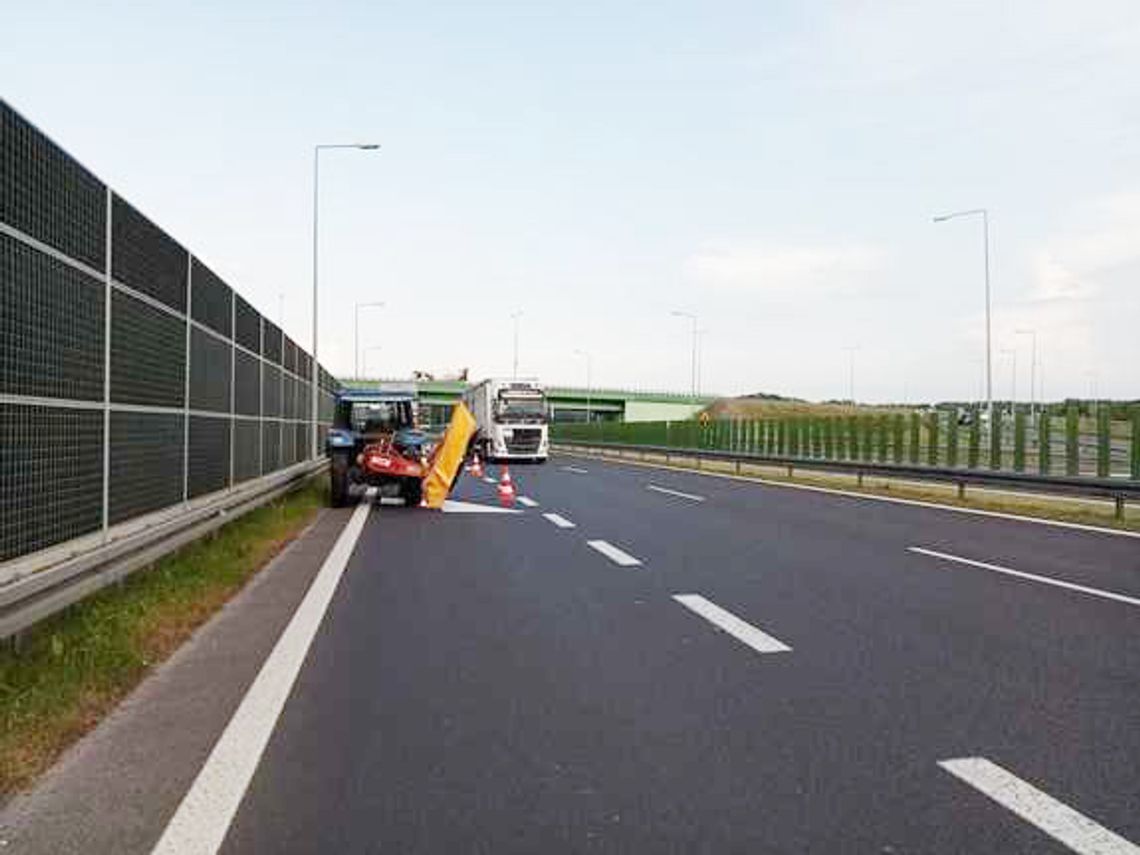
{"points": [[72, 669]]}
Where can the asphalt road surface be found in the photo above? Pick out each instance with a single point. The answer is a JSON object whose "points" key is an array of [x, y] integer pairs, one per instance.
{"points": [[641, 660]]}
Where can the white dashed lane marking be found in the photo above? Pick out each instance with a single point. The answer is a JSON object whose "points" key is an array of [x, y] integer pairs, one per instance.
{"points": [[559, 520], [690, 496], [622, 559], [527, 502], [1055, 818], [739, 629]]}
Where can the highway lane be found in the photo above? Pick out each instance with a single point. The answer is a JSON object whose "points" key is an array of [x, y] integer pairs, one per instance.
{"points": [[492, 683]]}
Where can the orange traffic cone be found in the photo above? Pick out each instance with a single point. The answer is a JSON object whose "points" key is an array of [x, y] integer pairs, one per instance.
{"points": [[506, 488], [476, 466]]}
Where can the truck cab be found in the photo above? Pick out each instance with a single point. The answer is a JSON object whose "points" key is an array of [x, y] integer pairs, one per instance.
{"points": [[511, 418]]}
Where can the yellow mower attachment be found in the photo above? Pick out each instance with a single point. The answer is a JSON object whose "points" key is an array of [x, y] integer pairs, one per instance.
{"points": [[448, 457]]}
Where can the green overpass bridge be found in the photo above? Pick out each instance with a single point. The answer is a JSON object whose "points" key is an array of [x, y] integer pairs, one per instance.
{"points": [[567, 404]]}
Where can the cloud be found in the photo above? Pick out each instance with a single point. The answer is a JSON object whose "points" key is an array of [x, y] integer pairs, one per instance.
{"points": [[780, 268], [1082, 264]]}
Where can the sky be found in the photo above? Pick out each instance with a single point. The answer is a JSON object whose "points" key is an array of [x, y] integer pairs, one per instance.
{"points": [[772, 167]]}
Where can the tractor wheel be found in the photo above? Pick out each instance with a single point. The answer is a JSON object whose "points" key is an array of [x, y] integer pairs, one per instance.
{"points": [[338, 481], [413, 492]]}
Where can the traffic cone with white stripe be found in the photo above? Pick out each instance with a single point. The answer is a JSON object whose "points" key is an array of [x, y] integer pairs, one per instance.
{"points": [[476, 467], [506, 488]]}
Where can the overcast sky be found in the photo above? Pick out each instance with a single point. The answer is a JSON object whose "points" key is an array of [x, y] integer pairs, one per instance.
{"points": [[772, 166]]}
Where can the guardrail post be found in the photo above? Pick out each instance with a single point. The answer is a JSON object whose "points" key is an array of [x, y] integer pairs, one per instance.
{"points": [[995, 439], [1044, 442], [1018, 441], [1072, 438], [1103, 439]]}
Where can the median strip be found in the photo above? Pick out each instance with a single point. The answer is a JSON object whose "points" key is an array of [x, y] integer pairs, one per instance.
{"points": [[739, 629], [1055, 818], [1031, 577], [617, 556]]}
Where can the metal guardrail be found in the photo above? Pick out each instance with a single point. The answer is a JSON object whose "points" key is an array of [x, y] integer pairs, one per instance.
{"points": [[1120, 491], [29, 598]]}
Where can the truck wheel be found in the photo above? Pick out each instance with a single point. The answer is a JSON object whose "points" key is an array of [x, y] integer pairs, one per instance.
{"points": [[413, 492], [338, 481]]}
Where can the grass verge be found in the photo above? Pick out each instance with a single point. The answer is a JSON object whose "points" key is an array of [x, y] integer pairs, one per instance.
{"points": [[1060, 508], [73, 668]]}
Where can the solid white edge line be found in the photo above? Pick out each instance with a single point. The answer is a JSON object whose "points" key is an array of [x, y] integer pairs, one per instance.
{"points": [[527, 502], [559, 520], [617, 556], [1055, 818], [851, 494], [725, 620], [1032, 577], [203, 818], [692, 497]]}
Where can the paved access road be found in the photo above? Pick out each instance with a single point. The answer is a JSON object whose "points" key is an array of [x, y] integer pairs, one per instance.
{"points": [[642, 660]]}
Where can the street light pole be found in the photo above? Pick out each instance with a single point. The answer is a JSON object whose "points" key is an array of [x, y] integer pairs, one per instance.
{"points": [[986, 252], [356, 337], [515, 363], [314, 385], [589, 413], [1032, 370], [693, 359]]}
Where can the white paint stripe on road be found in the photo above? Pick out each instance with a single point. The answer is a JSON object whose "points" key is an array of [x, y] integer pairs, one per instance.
{"points": [[487, 479], [611, 552], [1032, 577], [690, 496], [739, 629], [559, 520], [527, 502], [575, 469], [1055, 818], [203, 817]]}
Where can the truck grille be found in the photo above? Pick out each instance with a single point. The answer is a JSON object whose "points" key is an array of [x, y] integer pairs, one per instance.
{"points": [[524, 441]]}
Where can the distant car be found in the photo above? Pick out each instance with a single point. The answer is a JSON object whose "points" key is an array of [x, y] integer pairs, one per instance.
{"points": [[374, 442]]}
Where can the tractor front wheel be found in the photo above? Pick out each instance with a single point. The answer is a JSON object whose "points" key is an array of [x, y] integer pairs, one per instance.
{"points": [[338, 481], [413, 492]]}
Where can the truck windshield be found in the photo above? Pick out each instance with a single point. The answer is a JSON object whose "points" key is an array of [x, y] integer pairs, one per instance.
{"points": [[531, 408]]}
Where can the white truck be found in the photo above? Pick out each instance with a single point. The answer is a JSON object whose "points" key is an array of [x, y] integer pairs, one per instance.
{"points": [[511, 419]]}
